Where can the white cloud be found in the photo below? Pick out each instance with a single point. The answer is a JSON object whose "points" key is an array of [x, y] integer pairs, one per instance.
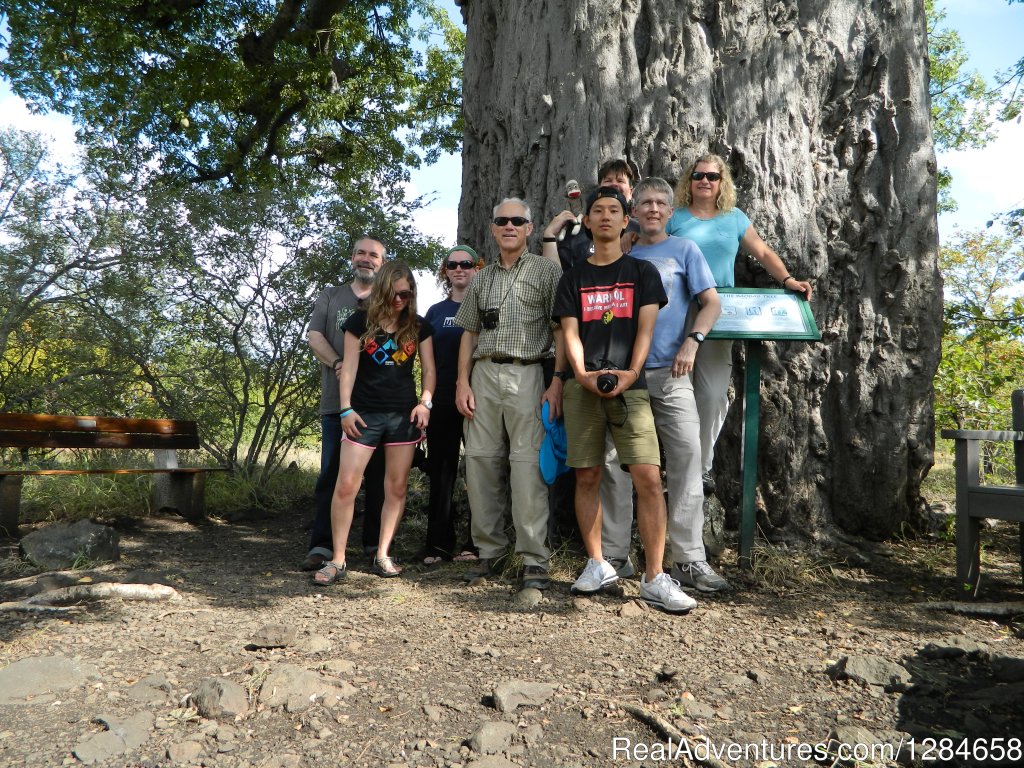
{"points": [[986, 181], [58, 128]]}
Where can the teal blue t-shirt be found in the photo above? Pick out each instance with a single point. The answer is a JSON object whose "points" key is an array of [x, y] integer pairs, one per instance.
{"points": [[718, 239]]}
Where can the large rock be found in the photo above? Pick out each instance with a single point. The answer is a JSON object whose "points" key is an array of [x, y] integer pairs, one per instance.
{"points": [[62, 546], [122, 734], [295, 688], [34, 680], [220, 697], [492, 737], [512, 694], [152, 689], [871, 670], [273, 636]]}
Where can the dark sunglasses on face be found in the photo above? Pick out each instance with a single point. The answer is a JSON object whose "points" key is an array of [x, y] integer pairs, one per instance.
{"points": [[709, 175], [404, 295], [516, 221], [460, 265]]}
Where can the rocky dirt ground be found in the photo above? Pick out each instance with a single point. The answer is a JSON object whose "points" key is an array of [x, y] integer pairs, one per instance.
{"points": [[253, 666]]}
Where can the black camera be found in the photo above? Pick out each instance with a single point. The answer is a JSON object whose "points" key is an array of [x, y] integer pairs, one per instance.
{"points": [[606, 382], [489, 318]]}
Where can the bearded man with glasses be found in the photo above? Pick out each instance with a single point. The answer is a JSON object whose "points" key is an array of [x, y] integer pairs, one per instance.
{"points": [[326, 339], [506, 314]]}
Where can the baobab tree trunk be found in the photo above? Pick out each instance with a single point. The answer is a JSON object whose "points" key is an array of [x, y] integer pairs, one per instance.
{"points": [[821, 108]]}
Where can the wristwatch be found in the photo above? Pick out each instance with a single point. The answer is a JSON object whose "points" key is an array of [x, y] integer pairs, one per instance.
{"points": [[563, 375], [428, 404], [698, 337]]}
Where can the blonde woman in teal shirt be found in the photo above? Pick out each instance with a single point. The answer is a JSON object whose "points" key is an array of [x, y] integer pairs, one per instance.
{"points": [[706, 213]]}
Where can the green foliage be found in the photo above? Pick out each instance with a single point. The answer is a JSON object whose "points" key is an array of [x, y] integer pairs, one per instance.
{"points": [[128, 294], [247, 93], [983, 337], [961, 99]]}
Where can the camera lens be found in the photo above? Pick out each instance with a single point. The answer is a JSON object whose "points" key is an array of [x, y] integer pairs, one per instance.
{"points": [[606, 382]]}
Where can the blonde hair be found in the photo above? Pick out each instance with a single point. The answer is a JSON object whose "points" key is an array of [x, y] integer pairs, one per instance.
{"points": [[726, 191], [380, 307]]}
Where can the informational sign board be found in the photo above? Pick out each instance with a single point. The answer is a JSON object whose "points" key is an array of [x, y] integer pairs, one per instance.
{"points": [[756, 315], [768, 314]]}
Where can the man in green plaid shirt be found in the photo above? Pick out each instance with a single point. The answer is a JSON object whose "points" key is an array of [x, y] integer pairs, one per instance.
{"points": [[507, 316]]}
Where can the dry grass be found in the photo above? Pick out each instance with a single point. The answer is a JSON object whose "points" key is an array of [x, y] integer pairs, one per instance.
{"points": [[783, 570]]}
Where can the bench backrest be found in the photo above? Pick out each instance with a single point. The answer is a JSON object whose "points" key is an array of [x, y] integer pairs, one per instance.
{"points": [[24, 430]]}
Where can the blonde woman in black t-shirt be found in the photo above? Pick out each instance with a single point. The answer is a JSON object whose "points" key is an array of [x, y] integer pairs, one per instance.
{"points": [[379, 408]]}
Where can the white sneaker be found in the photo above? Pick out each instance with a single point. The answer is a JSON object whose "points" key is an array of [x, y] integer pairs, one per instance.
{"points": [[596, 576], [664, 592], [623, 566], [700, 576]]}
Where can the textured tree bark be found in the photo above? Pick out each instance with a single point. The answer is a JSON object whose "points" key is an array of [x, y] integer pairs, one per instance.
{"points": [[821, 108]]}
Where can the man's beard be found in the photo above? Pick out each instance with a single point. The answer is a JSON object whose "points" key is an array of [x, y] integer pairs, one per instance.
{"points": [[365, 275]]}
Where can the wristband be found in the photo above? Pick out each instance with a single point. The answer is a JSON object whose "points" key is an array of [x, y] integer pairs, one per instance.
{"points": [[346, 412], [787, 277], [334, 365], [547, 239]]}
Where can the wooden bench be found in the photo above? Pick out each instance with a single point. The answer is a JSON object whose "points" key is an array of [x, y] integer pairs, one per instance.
{"points": [[181, 489], [975, 501]]}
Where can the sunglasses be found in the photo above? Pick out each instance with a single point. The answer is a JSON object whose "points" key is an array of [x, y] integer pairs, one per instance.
{"points": [[516, 221], [404, 295], [460, 265], [709, 175]]}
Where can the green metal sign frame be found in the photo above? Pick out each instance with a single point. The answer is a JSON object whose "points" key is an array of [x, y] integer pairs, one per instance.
{"points": [[756, 315]]}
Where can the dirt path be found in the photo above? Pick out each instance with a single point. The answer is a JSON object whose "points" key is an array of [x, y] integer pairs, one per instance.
{"points": [[410, 665]]}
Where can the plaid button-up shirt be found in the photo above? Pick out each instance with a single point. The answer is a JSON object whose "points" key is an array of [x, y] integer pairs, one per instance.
{"points": [[524, 295]]}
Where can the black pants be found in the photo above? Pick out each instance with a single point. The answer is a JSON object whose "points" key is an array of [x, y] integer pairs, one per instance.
{"points": [[444, 438]]}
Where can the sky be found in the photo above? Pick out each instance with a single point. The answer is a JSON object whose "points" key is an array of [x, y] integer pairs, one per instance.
{"points": [[985, 181]]}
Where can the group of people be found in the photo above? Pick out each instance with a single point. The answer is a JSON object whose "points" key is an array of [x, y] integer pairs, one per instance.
{"points": [[606, 327]]}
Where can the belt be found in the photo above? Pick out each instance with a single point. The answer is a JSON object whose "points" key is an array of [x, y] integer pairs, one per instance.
{"points": [[513, 361]]}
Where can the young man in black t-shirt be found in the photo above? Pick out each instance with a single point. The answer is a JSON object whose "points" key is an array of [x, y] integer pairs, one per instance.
{"points": [[607, 305]]}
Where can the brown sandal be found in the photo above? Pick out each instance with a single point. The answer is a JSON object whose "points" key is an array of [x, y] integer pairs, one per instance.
{"points": [[385, 567], [330, 574]]}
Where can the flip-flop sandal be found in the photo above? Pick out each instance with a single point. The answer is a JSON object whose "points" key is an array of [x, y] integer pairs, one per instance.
{"points": [[330, 574], [465, 556], [385, 567]]}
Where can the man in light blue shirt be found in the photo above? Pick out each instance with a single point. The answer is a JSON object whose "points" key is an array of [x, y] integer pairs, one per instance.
{"points": [[686, 277]]}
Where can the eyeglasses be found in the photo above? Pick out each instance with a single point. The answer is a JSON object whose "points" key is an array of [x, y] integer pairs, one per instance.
{"points": [[404, 295], [460, 265], [709, 175], [516, 221]]}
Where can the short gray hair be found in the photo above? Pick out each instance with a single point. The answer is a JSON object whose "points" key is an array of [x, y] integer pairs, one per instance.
{"points": [[517, 201], [653, 184]]}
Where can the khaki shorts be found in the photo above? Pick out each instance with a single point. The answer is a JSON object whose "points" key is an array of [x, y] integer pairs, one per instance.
{"points": [[629, 417]]}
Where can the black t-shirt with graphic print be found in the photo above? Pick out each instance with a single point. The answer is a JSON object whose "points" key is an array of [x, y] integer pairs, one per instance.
{"points": [[384, 380], [606, 301]]}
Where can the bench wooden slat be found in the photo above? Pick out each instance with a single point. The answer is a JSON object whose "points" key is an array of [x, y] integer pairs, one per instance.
{"points": [[998, 503], [991, 435], [44, 422], [55, 439], [118, 471]]}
